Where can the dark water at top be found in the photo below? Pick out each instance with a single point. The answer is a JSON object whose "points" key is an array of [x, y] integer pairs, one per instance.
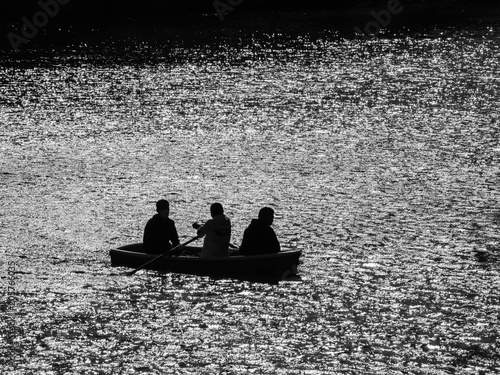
{"points": [[380, 158]]}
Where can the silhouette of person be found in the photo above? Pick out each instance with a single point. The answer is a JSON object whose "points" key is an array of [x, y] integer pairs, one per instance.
{"points": [[259, 237], [160, 234], [217, 232]]}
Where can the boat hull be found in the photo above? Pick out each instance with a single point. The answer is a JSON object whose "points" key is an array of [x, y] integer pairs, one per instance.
{"points": [[277, 266]]}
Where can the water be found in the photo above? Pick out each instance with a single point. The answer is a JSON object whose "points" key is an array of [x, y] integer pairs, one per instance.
{"points": [[380, 158]]}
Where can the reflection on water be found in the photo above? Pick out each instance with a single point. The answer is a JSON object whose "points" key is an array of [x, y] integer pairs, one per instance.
{"points": [[380, 159]]}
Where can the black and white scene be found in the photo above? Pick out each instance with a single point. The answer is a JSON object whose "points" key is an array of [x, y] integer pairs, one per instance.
{"points": [[250, 187]]}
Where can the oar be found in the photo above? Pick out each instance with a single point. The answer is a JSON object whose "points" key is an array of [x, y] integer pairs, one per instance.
{"points": [[161, 256]]}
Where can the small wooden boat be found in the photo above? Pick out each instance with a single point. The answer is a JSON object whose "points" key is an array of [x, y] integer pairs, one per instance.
{"points": [[265, 267]]}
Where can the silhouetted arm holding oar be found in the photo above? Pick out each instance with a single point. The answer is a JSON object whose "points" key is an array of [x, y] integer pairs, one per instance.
{"points": [[171, 251]]}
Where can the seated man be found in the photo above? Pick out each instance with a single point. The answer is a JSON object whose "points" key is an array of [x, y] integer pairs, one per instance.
{"points": [[259, 237], [217, 232], [160, 234]]}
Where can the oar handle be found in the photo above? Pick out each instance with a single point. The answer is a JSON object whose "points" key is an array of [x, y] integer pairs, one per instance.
{"points": [[162, 255]]}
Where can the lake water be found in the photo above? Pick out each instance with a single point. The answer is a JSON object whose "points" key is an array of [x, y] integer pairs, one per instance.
{"points": [[380, 158]]}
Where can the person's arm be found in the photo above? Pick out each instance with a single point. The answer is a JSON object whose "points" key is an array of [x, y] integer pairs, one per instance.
{"points": [[175, 237], [244, 243], [205, 228], [274, 244], [147, 236]]}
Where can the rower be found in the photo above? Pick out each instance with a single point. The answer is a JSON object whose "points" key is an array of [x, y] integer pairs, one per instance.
{"points": [[217, 232], [160, 234], [259, 237]]}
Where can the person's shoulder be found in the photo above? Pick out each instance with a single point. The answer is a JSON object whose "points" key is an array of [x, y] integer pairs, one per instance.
{"points": [[153, 218], [227, 221], [220, 218], [253, 224], [267, 230]]}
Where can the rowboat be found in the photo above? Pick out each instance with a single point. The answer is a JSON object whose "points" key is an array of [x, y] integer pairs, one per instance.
{"points": [[265, 267]]}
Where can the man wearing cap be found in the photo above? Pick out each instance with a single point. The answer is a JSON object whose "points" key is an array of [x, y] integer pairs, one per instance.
{"points": [[160, 234]]}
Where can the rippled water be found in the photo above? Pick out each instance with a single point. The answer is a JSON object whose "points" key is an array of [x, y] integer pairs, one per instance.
{"points": [[380, 158]]}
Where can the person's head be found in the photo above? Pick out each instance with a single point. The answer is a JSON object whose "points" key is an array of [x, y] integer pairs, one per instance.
{"points": [[266, 214], [163, 208], [216, 209]]}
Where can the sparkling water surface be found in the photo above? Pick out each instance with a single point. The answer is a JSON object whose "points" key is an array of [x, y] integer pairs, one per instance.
{"points": [[380, 158]]}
